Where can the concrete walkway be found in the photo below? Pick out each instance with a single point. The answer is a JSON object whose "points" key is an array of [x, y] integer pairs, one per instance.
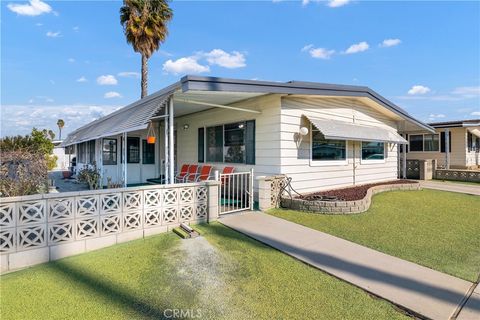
{"points": [[423, 291], [451, 186]]}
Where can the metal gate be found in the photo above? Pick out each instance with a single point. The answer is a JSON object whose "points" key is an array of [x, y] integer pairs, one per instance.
{"points": [[236, 192], [413, 169]]}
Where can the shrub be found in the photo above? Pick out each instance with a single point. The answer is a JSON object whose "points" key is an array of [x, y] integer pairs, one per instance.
{"points": [[90, 176], [22, 173]]}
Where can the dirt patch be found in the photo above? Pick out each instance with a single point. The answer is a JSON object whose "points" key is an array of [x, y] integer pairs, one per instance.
{"points": [[348, 194]]}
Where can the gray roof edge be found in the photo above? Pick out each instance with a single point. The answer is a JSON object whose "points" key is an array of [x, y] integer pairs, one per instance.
{"points": [[189, 81]]}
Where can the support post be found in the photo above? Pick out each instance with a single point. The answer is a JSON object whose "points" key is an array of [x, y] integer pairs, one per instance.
{"points": [[447, 148], [124, 149], [171, 159], [264, 193], [404, 163], [251, 189], [165, 140], [213, 200]]}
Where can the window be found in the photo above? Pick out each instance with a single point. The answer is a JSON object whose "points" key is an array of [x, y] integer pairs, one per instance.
{"points": [[430, 142], [201, 145], [70, 149], [416, 142], [230, 143], [442, 141], [109, 151], [373, 151], [148, 152], [327, 150], [91, 151], [478, 145], [133, 150]]}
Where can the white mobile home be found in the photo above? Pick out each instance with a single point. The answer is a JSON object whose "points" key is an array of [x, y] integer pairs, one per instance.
{"points": [[321, 135]]}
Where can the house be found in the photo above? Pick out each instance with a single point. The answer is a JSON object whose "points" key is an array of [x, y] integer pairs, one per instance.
{"points": [[322, 135], [463, 144], [64, 155]]}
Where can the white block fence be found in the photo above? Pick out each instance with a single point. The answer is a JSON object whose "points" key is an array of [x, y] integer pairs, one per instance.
{"points": [[39, 228]]}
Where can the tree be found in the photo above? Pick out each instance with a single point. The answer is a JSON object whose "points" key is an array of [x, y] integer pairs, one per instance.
{"points": [[145, 26], [60, 124]]}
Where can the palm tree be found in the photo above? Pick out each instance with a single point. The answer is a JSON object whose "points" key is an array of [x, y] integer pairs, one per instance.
{"points": [[145, 26], [60, 124]]}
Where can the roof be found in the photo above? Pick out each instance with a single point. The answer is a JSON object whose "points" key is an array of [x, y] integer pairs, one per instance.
{"points": [[456, 123], [137, 115], [332, 129]]}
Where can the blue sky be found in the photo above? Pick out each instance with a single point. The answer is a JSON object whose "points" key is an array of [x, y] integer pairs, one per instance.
{"points": [[70, 60]]}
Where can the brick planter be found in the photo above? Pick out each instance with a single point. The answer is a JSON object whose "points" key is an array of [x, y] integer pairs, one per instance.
{"points": [[344, 207]]}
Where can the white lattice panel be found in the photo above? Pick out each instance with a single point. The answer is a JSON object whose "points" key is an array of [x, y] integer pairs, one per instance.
{"points": [[132, 201], [86, 228], [201, 194], [153, 217], [152, 198], [186, 213], [7, 214], [170, 215], [170, 197], [60, 209], [87, 206], [31, 237], [110, 224], [7, 240], [60, 232], [201, 211], [110, 203], [31, 212], [132, 220], [187, 195]]}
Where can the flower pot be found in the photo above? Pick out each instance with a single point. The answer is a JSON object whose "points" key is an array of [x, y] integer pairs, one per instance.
{"points": [[151, 140]]}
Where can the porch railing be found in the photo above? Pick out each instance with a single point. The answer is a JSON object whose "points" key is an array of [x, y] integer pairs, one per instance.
{"points": [[236, 192]]}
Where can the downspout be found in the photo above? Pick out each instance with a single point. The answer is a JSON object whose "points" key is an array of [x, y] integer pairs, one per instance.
{"points": [[447, 148]]}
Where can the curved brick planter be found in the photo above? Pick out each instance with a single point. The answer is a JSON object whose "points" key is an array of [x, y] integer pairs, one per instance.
{"points": [[344, 207]]}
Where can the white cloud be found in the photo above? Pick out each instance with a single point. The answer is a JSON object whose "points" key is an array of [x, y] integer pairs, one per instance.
{"points": [[39, 24], [82, 79], [107, 80], [112, 94], [19, 119], [52, 34], [76, 28], [390, 43], [305, 2], [224, 59], [71, 60], [357, 47], [433, 116], [418, 89], [467, 91], [129, 74], [475, 113], [34, 8], [337, 3], [318, 53], [184, 65]]}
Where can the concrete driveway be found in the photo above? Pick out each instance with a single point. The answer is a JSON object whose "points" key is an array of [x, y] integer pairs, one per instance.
{"points": [[452, 186]]}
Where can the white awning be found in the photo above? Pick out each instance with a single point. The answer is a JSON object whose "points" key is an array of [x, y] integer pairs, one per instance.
{"points": [[333, 129], [131, 118], [474, 131]]}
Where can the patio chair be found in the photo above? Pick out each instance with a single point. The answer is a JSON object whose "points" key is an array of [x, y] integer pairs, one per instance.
{"points": [[191, 173], [227, 170], [180, 177], [205, 174]]}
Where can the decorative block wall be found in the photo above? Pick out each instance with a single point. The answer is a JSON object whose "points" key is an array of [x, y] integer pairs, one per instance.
{"points": [[39, 228]]}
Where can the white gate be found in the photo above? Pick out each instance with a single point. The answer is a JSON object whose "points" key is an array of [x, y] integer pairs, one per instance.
{"points": [[236, 192]]}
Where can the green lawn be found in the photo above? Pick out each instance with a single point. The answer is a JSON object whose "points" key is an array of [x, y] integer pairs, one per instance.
{"points": [[433, 228], [226, 276]]}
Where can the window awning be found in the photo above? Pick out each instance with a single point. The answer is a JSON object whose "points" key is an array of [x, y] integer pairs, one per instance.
{"points": [[474, 131], [333, 129]]}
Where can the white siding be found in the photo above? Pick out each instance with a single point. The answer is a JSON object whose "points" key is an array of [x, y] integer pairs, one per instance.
{"points": [[308, 176]]}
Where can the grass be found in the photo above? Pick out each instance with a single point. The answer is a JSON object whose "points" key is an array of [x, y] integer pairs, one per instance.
{"points": [[433, 228], [140, 279]]}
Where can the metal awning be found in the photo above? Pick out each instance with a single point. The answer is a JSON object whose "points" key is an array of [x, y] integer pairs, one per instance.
{"points": [[474, 131], [131, 118], [333, 129]]}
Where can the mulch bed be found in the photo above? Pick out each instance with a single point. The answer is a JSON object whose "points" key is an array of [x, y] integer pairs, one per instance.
{"points": [[350, 193]]}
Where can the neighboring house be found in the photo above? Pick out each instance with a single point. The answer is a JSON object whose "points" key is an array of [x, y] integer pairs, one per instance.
{"points": [[64, 155], [464, 146], [321, 135]]}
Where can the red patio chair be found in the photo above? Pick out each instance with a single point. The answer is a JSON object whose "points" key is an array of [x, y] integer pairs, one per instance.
{"points": [[205, 174], [180, 177], [191, 174], [227, 170]]}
